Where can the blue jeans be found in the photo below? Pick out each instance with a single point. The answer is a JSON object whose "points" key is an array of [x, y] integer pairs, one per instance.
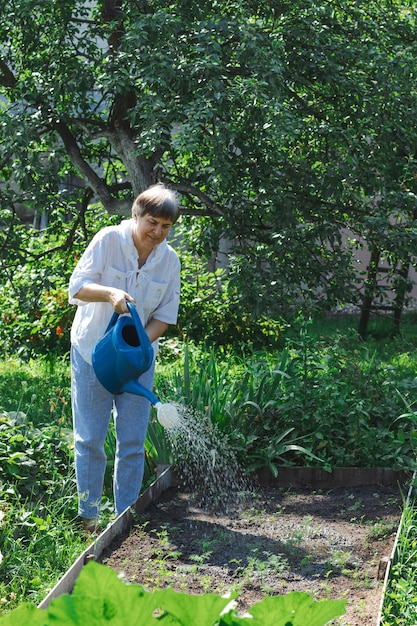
{"points": [[92, 407]]}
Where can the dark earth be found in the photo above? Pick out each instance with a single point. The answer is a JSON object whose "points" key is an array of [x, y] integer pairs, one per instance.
{"points": [[331, 543]]}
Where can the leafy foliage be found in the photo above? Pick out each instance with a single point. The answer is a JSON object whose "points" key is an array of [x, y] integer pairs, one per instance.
{"points": [[329, 401], [283, 129], [34, 311], [32, 460], [211, 310], [323, 390], [38, 507], [100, 597]]}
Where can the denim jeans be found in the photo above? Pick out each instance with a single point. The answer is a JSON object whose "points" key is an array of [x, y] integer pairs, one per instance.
{"points": [[92, 408]]}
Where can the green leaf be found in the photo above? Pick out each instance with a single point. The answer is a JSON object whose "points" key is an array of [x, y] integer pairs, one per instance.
{"points": [[25, 614], [104, 598], [184, 607], [295, 609]]}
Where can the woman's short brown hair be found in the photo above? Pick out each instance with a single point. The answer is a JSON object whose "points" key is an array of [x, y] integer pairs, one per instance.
{"points": [[158, 201]]}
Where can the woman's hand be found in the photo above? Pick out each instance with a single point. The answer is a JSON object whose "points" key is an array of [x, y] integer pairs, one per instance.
{"points": [[118, 299], [93, 292]]}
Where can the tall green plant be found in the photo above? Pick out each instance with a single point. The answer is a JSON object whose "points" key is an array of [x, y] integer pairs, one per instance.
{"points": [[399, 606], [203, 385], [334, 398], [229, 396]]}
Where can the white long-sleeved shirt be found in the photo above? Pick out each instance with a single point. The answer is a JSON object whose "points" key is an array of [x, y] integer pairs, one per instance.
{"points": [[111, 259]]}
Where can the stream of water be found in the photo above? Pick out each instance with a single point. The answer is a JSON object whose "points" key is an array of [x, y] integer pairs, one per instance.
{"points": [[205, 462]]}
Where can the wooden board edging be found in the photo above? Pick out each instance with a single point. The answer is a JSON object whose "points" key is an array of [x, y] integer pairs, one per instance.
{"points": [[318, 478], [120, 525]]}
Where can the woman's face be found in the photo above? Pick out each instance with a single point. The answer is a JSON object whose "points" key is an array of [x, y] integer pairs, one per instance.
{"points": [[149, 230]]}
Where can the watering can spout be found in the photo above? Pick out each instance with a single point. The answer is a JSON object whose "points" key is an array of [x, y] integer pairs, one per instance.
{"points": [[133, 386], [167, 415]]}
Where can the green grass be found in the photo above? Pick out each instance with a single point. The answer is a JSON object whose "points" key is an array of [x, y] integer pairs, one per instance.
{"points": [[38, 388], [39, 536], [400, 600]]}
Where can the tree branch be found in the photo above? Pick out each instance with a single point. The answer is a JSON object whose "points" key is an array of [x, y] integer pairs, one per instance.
{"points": [[97, 184], [214, 209]]}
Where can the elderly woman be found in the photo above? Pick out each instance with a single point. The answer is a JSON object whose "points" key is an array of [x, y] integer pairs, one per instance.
{"points": [[131, 262]]}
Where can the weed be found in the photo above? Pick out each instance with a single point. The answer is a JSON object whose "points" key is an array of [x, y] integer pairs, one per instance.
{"points": [[380, 528], [199, 560], [340, 558], [162, 552], [306, 561], [259, 565], [302, 532], [206, 583], [361, 609], [356, 505]]}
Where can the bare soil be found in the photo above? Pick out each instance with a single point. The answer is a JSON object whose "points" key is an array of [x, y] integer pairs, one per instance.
{"points": [[330, 543]]}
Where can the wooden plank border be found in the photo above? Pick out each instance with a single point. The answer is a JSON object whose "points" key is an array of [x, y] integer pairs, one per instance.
{"points": [[120, 525]]}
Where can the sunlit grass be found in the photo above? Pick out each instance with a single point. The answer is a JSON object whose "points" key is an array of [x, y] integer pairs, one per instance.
{"points": [[400, 600]]}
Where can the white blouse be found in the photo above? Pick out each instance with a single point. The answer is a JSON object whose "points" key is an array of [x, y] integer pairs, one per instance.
{"points": [[111, 259]]}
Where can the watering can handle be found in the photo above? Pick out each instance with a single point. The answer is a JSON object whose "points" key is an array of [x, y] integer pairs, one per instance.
{"points": [[144, 341], [136, 319], [112, 322], [143, 337]]}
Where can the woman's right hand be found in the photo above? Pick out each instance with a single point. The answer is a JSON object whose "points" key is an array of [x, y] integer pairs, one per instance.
{"points": [[93, 292], [119, 298]]}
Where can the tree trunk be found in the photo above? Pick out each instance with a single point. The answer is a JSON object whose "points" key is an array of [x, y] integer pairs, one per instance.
{"points": [[400, 297], [369, 292]]}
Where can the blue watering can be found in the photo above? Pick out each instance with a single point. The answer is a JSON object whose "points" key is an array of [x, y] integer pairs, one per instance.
{"points": [[122, 355]]}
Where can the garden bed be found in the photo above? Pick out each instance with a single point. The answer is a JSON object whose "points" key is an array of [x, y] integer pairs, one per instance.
{"points": [[332, 541]]}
